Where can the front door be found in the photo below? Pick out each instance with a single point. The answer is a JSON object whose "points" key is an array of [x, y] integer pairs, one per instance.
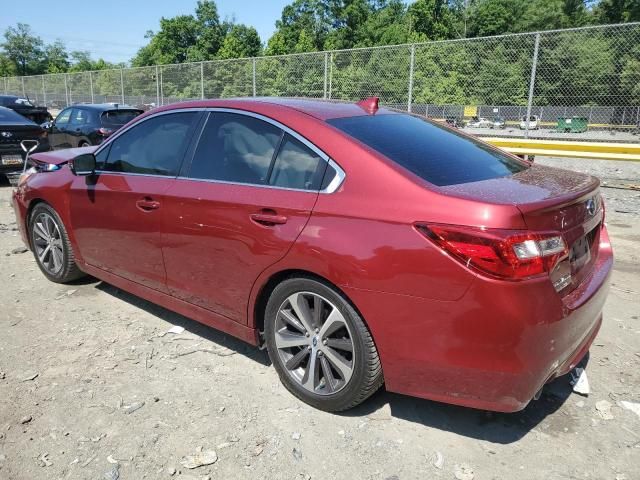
{"points": [[244, 200], [117, 214], [58, 132]]}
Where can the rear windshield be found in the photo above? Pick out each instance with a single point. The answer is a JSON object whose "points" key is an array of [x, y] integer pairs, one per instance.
{"points": [[119, 117], [9, 116], [431, 151]]}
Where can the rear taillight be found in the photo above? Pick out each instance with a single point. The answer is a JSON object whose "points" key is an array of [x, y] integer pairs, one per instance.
{"points": [[503, 254], [105, 131]]}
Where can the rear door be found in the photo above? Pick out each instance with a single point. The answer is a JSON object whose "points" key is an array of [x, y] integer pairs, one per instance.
{"points": [[118, 214], [237, 209]]}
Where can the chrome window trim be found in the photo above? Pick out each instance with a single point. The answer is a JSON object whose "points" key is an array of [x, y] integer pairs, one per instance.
{"points": [[331, 188]]}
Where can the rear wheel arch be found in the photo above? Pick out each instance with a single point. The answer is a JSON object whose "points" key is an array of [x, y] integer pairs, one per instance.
{"points": [[278, 277]]}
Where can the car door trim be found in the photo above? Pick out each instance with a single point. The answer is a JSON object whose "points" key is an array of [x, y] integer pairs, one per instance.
{"points": [[331, 188]]}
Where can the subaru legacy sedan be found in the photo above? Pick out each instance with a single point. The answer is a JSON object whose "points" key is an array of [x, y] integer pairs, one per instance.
{"points": [[362, 246]]}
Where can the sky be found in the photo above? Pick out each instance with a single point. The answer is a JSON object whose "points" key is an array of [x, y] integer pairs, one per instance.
{"points": [[114, 29]]}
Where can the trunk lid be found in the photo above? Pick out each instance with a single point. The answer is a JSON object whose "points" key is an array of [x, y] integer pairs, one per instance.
{"points": [[553, 200]]}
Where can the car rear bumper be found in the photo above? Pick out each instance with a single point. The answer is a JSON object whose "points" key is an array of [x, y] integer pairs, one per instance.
{"points": [[494, 348]]}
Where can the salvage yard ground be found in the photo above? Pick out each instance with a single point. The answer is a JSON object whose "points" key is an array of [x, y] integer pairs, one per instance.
{"points": [[93, 387]]}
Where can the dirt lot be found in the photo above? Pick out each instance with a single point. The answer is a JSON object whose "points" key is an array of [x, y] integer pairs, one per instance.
{"points": [[91, 387]]}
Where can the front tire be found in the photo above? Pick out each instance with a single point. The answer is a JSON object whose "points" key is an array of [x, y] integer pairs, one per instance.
{"points": [[319, 345], [51, 246]]}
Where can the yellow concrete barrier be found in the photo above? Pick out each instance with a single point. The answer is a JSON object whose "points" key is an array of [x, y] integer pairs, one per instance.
{"points": [[559, 148]]}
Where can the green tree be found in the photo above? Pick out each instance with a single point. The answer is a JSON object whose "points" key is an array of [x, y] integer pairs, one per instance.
{"points": [[241, 41], [24, 49], [56, 58], [494, 17], [618, 11]]}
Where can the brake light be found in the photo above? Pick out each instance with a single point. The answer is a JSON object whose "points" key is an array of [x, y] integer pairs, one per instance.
{"points": [[105, 131], [503, 254]]}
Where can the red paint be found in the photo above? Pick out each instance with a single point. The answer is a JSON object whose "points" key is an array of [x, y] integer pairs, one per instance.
{"points": [[443, 331]]}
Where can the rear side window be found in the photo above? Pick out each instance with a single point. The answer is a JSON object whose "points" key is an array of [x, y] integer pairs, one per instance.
{"points": [[235, 148], [297, 166], [153, 147], [433, 152], [119, 117]]}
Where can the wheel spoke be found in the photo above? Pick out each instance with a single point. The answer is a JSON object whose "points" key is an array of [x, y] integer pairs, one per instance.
{"points": [[42, 255], [301, 308], [311, 375], [57, 258], [340, 343], [330, 381], [339, 362], [334, 321], [40, 231], [288, 317], [317, 311], [286, 339], [295, 361]]}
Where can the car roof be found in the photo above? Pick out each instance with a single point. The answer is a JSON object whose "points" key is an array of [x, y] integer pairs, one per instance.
{"points": [[320, 109], [103, 107]]}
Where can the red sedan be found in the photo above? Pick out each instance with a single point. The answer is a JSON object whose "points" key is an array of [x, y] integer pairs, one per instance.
{"points": [[362, 246]]}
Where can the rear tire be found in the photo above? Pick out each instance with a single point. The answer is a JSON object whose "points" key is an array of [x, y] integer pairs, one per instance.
{"points": [[51, 246], [320, 346]]}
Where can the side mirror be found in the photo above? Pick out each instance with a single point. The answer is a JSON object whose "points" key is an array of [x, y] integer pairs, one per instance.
{"points": [[83, 165]]}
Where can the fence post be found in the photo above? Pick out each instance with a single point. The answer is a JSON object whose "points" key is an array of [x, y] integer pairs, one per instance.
{"points": [[161, 88], [122, 84], [66, 91], [24, 93], [532, 81], [91, 86], [326, 71], [330, 74], [157, 86], [253, 62], [410, 91], [202, 80], [44, 91]]}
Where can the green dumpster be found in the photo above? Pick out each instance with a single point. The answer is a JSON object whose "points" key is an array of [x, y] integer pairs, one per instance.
{"points": [[572, 124]]}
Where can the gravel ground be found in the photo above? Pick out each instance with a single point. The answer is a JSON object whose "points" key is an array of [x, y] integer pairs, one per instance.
{"points": [[92, 387]]}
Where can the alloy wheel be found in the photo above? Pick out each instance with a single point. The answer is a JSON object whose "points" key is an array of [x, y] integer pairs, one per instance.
{"points": [[314, 343], [47, 242]]}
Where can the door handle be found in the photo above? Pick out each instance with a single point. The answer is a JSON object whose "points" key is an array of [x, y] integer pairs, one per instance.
{"points": [[268, 219], [147, 204]]}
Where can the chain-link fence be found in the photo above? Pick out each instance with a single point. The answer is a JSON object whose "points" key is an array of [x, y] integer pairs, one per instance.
{"points": [[576, 83]]}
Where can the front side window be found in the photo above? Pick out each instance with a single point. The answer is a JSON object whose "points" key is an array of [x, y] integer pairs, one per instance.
{"points": [[235, 148], [63, 117], [153, 147]]}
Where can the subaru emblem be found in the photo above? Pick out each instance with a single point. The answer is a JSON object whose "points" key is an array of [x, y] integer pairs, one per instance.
{"points": [[591, 207], [6, 134]]}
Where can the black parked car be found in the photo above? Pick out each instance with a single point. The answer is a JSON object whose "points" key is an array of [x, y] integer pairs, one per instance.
{"points": [[25, 108], [87, 124], [13, 129]]}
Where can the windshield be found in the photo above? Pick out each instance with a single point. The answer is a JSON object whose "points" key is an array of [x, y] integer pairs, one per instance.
{"points": [[433, 152], [119, 117]]}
